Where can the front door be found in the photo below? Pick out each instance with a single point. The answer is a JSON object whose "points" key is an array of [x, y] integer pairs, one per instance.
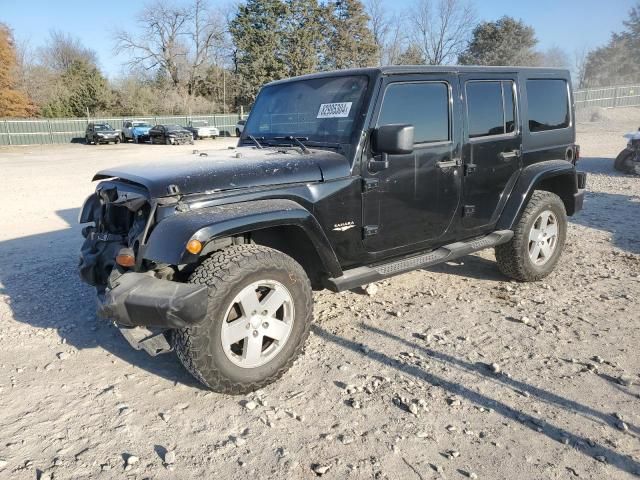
{"points": [[413, 200], [492, 152]]}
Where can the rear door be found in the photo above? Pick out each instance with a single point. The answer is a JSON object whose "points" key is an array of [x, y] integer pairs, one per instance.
{"points": [[414, 200], [493, 146]]}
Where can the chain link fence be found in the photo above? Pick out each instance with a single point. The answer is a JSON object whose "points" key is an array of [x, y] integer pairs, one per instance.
{"points": [[608, 97], [72, 130]]}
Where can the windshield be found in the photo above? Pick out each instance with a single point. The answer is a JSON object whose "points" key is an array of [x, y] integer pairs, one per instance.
{"points": [[141, 124], [173, 128], [322, 109], [199, 124], [102, 127]]}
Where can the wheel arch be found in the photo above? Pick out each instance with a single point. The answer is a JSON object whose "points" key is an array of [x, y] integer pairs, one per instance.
{"points": [[555, 176], [280, 224]]}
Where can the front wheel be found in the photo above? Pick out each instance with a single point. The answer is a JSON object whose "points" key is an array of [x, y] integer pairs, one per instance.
{"points": [[538, 239], [259, 315]]}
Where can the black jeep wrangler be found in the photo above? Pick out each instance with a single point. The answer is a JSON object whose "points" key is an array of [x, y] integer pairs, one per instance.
{"points": [[339, 179]]}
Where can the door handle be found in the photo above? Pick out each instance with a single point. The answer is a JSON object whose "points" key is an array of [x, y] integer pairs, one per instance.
{"points": [[448, 163], [509, 155]]}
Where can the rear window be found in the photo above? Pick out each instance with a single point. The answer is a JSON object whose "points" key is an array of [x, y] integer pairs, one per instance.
{"points": [[548, 102], [491, 108]]}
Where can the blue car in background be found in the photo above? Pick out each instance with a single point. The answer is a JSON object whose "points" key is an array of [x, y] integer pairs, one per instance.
{"points": [[135, 130]]}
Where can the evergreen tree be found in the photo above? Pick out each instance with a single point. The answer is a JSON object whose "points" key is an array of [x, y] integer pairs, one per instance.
{"points": [[302, 36], [506, 41], [350, 43], [617, 62], [412, 55], [257, 35], [82, 88], [13, 103]]}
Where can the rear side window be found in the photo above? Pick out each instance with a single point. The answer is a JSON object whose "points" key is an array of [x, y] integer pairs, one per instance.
{"points": [[490, 108], [548, 105], [423, 105]]}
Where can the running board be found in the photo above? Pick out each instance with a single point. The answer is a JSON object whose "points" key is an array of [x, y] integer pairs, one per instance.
{"points": [[362, 275]]}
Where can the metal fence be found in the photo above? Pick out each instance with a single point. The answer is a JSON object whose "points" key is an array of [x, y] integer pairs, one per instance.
{"points": [[608, 97], [70, 130]]}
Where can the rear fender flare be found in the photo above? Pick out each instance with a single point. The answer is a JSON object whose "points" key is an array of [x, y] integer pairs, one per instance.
{"points": [[535, 176], [167, 242]]}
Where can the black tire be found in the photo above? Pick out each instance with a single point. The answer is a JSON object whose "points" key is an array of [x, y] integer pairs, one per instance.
{"points": [[87, 141], [167, 141], [238, 132], [117, 140], [513, 257], [123, 138], [227, 272], [622, 161]]}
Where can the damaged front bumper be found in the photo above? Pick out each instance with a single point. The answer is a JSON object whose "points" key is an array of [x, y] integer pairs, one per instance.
{"points": [[137, 299]]}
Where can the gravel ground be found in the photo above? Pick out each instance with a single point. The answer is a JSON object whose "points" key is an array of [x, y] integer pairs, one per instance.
{"points": [[453, 372]]}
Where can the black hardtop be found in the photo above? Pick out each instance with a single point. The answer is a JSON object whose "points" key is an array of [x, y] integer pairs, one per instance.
{"points": [[427, 69]]}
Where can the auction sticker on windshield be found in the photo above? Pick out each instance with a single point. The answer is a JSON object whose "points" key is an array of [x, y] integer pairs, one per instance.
{"points": [[334, 110]]}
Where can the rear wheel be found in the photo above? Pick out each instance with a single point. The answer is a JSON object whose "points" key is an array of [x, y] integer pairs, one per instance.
{"points": [[538, 239], [238, 132], [259, 315]]}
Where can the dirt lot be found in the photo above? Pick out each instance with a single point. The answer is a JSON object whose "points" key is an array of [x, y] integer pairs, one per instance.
{"points": [[394, 385]]}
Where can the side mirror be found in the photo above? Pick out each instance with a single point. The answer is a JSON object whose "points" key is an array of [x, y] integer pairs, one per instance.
{"points": [[393, 139]]}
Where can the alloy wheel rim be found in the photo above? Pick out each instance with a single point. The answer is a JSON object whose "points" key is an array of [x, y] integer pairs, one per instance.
{"points": [[543, 238], [257, 323]]}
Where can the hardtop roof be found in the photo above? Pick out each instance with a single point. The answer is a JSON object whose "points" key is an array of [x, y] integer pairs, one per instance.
{"points": [[425, 69]]}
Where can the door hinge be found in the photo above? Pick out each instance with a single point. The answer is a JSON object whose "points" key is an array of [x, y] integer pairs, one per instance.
{"points": [[470, 168], [469, 211], [370, 230], [369, 184]]}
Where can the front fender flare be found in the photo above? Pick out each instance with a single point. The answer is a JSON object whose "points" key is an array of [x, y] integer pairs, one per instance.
{"points": [[167, 242], [533, 176]]}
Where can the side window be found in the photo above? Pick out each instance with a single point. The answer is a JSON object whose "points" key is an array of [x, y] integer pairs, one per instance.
{"points": [[490, 108], [423, 105], [548, 104]]}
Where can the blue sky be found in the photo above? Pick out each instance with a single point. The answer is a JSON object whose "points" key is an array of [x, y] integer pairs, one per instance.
{"points": [[570, 24]]}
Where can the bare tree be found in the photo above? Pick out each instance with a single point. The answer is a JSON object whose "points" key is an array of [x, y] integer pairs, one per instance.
{"points": [[395, 43], [441, 28], [379, 23], [580, 57], [62, 50], [554, 57], [179, 40]]}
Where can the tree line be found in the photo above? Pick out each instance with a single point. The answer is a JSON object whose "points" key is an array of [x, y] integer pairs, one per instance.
{"points": [[189, 58]]}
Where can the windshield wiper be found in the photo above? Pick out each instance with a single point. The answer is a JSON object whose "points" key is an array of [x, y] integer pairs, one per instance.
{"points": [[255, 140], [297, 141]]}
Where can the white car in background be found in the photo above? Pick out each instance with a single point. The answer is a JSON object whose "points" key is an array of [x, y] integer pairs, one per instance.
{"points": [[240, 127], [201, 129]]}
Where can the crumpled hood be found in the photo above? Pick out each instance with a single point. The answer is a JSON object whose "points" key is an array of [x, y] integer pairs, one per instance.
{"points": [[243, 167]]}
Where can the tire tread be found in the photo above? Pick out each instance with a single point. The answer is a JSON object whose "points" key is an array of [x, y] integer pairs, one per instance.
{"points": [[510, 260], [220, 272]]}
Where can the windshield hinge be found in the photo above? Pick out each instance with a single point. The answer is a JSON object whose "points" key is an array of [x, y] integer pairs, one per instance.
{"points": [[369, 184], [370, 230]]}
